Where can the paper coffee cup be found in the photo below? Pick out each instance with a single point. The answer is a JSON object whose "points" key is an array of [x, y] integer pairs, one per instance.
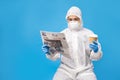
{"points": [[92, 38]]}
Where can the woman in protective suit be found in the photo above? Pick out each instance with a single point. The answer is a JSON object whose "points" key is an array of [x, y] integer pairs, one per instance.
{"points": [[79, 66]]}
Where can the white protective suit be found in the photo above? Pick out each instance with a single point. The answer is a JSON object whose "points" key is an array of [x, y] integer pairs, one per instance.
{"points": [[79, 66]]}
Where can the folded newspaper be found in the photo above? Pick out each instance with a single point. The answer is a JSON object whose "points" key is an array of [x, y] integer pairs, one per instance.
{"points": [[56, 41]]}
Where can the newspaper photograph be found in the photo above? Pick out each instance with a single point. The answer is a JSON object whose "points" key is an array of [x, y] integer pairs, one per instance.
{"points": [[56, 41]]}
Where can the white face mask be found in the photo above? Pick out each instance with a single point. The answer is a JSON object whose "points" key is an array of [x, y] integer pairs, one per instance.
{"points": [[74, 25]]}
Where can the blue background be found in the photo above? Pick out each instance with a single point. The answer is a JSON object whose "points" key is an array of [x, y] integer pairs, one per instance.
{"points": [[21, 57]]}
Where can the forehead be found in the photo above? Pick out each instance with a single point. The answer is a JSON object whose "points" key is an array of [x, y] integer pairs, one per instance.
{"points": [[72, 16]]}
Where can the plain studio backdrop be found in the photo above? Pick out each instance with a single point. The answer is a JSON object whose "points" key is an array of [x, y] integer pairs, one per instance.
{"points": [[21, 57]]}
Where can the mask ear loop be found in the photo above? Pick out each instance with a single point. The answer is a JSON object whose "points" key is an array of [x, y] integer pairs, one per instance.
{"points": [[81, 21]]}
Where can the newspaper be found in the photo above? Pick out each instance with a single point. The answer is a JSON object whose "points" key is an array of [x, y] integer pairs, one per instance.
{"points": [[56, 41]]}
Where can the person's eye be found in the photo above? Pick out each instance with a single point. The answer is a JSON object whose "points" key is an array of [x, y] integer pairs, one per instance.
{"points": [[76, 19], [70, 19]]}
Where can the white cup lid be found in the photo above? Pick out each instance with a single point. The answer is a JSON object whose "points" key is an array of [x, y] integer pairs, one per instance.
{"points": [[93, 35]]}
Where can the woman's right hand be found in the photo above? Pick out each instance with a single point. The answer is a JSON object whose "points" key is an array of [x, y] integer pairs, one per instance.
{"points": [[45, 49]]}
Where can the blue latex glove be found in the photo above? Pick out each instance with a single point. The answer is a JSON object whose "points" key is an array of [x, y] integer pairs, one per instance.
{"points": [[94, 46], [45, 49]]}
